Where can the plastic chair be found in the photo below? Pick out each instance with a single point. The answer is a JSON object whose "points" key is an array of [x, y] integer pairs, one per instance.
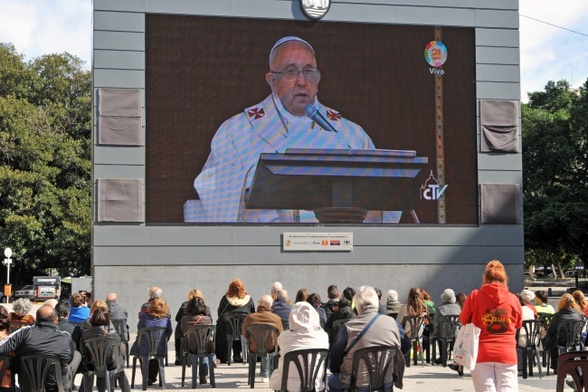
{"points": [[416, 326], [196, 346], [123, 331], [101, 353], [33, 371], [532, 328], [572, 330], [546, 317], [155, 337], [576, 365], [311, 365], [376, 362], [448, 326], [263, 335], [7, 362], [235, 323]]}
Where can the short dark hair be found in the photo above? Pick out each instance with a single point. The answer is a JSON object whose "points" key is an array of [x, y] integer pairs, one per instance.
{"points": [[62, 308], [348, 293], [542, 295], [314, 299], [332, 292], [379, 292]]}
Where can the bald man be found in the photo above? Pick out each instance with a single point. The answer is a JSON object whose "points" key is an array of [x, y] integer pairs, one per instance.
{"points": [[277, 123], [45, 339], [118, 314]]}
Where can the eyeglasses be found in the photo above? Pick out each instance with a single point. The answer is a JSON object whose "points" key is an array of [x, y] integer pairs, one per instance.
{"points": [[292, 73]]}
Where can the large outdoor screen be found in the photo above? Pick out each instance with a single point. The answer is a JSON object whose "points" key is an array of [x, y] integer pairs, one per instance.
{"points": [[406, 94]]}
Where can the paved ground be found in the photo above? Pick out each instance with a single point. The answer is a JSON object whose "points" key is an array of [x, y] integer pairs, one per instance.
{"points": [[417, 378]]}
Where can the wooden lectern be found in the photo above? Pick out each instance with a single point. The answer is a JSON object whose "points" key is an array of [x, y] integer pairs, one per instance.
{"points": [[340, 186]]}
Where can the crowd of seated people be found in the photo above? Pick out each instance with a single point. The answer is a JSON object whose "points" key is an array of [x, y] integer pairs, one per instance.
{"points": [[332, 323]]}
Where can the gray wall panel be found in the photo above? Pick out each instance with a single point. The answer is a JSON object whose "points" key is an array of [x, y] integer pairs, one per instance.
{"points": [[436, 16], [255, 255], [498, 90], [497, 37], [500, 177], [194, 236], [118, 79], [119, 40], [499, 161], [498, 73], [132, 282], [502, 18], [119, 155], [493, 55], [118, 59], [119, 171], [119, 21]]}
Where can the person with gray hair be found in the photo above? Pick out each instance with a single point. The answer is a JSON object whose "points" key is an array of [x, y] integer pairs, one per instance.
{"points": [[276, 286], [263, 315], [281, 307], [447, 308], [368, 329], [275, 124], [393, 305], [154, 292], [20, 312]]}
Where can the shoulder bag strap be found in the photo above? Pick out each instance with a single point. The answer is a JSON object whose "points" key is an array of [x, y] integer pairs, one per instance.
{"points": [[361, 334]]}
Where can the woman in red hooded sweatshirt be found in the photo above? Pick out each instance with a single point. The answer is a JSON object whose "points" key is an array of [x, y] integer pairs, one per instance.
{"points": [[498, 314]]}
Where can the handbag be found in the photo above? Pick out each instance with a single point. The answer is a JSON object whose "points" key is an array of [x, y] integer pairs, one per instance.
{"points": [[466, 346]]}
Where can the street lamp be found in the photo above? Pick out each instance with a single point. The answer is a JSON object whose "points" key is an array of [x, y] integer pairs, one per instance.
{"points": [[7, 262]]}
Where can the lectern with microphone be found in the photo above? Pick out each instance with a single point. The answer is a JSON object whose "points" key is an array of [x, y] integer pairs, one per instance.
{"points": [[339, 185]]}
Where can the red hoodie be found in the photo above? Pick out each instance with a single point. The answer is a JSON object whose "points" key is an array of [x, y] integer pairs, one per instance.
{"points": [[498, 314]]}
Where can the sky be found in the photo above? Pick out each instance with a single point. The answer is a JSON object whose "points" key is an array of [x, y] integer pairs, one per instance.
{"points": [[37, 27]]}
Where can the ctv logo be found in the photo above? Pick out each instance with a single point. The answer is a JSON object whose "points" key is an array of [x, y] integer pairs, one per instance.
{"points": [[431, 189]]}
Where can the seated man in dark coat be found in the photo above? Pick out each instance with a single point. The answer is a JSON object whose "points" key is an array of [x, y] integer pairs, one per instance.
{"points": [[44, 338]]}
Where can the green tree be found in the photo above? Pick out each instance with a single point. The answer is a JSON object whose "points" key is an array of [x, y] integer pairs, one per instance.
{"points": [[554, 168], [45, 166]]}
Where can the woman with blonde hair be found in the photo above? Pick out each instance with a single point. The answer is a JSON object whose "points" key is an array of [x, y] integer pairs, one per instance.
{"points": [[194, 293], [157, 316], [236, 300], [567, 309], [498, 313]]}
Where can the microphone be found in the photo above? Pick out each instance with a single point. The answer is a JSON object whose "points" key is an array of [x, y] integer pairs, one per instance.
{"points": [[316, 116]]}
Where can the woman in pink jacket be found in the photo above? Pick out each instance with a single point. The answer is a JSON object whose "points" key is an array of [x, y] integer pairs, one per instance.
{"points": [[498, 314]]}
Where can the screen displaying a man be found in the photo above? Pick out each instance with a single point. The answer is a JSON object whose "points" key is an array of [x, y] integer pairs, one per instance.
{"points": [[282, 120]]}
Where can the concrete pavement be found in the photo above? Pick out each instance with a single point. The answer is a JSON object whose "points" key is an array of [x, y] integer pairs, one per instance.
{"points": [[416, 379]]}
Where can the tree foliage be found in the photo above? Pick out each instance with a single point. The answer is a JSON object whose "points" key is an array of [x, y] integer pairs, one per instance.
{"points": [[555, 131], [45, 162]]}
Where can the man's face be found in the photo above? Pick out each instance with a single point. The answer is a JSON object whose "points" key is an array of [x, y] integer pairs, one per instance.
{"points": [[300, 91]]}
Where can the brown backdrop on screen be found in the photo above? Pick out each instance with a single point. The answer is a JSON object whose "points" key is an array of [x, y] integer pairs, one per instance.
{"points": [[202, 70]]}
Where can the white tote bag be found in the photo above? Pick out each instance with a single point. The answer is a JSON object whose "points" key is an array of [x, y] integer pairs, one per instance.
{"points": [[466, 346]]}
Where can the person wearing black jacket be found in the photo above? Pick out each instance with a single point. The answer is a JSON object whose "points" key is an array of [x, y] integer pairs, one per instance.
{"points": [[44, 338]]}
